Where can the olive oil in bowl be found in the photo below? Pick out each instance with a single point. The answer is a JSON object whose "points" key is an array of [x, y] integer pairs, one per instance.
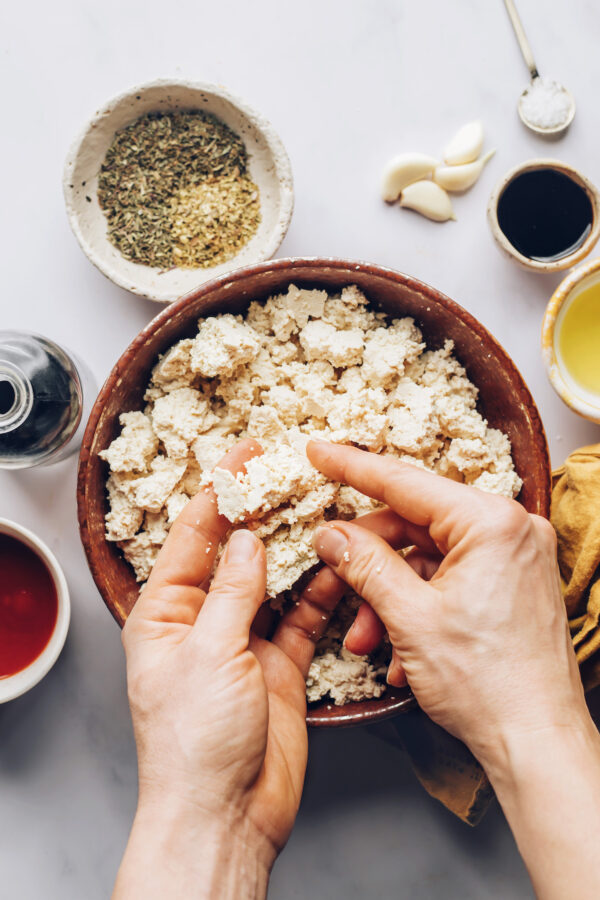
{"points": [[577, 340]]}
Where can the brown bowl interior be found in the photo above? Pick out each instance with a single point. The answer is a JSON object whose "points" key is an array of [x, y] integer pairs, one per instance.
{"points": [[503, 399]]}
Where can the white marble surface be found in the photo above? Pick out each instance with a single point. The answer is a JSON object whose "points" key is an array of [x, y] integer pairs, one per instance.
{"points": [[346, 83]]}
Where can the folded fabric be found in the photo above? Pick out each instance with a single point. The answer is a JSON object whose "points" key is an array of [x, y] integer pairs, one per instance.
{"points": [[444, 766], [576, 518]]}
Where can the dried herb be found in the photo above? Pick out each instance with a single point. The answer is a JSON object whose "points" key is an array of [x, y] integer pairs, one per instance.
{"points": [[175, 190], [214, 219]]}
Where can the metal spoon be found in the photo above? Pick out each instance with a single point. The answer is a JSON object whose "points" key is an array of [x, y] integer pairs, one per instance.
{"points": [[553, 130]]}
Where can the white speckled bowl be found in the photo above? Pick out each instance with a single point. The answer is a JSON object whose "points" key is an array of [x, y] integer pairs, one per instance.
{"points": [[269, 168]]}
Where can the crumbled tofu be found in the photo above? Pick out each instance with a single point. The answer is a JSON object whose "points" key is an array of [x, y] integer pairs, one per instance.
{"points": [[210, 448], [124, 518], [286, 402], [458, 417], [265, 425], [350, 503], [341, 348], [175, 504], [141, 553], [271, 479], [413, 420], [174, 369], [156, 526], [135, 447], [358, 417], [344, 677], [152, 491], [178, 417], [192, 477], [507, 483], [469, 455], [222, 344], [388, 350], [290, 554], [302, 364]]}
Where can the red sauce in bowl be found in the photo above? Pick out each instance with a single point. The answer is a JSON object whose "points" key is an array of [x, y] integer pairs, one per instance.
{"points": [[28, 606]]}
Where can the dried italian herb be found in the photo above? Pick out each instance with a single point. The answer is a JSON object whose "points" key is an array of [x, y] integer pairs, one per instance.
{"points": [[175, 191]]}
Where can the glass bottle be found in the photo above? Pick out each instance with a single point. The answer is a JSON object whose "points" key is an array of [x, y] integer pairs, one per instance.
{"points": [[45, 400]]}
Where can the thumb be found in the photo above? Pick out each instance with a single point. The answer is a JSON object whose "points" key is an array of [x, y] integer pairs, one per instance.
{"points": [[376, 572], [237, 590]]}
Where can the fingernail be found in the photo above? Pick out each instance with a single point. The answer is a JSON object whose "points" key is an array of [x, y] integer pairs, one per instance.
{"points": [[330, 544], [348, 635], [241, 546], [319, 441]]}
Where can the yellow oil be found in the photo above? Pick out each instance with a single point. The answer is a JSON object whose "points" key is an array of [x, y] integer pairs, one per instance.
{"points": [[579, 338]]}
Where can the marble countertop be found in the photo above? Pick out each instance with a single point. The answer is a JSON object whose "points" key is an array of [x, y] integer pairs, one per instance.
{"points": [[347, 83]]}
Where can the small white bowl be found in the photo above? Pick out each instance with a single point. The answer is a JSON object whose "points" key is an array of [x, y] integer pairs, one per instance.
{"points": [[23, 681], [575, 396], [268, 164]]}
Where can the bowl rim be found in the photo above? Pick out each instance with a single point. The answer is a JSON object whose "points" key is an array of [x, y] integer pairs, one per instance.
{"points": [[531, 165], [278, 153], [15, 685], [558, 299], [291, 265]]}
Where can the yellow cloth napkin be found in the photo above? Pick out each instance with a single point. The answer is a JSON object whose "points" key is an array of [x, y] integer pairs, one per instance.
{"points": [[444, 766], [576, 518]]}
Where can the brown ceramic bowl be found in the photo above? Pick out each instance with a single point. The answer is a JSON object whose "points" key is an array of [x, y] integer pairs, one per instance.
{"points": [[503, 398]]}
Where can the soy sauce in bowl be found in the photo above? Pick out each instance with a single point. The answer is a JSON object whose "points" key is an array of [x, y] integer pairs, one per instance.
{"points": [[28, 606], [545, 214]]}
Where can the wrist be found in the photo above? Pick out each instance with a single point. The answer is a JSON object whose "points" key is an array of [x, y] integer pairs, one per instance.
{"points": [[548, 784], [523, 756], [180, 850]]}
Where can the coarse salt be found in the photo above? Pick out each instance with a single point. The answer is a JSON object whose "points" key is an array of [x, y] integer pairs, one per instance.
{"points": [[546, 104]]}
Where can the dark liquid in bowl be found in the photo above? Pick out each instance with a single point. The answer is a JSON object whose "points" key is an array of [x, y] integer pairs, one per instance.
{"points": [[545, 214], [28, 606]]}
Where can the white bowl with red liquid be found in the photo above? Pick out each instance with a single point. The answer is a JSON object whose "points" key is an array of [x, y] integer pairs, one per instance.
{"points": [[35, 610]]}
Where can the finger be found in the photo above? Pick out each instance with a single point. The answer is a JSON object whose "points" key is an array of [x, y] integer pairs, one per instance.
{"points": [[396, 531], [236, 593], [396, 676], [304, 625], [424, 564], [189, 552], [378, 574], [419, 496], [367, 630], [263, 621]]}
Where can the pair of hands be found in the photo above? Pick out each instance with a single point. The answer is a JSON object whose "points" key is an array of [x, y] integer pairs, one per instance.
{"points": [[474, 615]]}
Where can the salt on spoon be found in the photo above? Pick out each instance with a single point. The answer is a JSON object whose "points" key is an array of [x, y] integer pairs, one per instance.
{"points": [[545, 106]]}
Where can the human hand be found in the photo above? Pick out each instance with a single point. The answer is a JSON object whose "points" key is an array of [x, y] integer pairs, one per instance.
{"points": [[218, 714], [484, 643]]}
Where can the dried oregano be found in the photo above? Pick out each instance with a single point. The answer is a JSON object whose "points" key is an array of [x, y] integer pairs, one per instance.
{"points": [[175, 191]]}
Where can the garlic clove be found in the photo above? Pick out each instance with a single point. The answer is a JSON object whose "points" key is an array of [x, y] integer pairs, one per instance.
{"points": [[403, 170], [429, 199], [465, 146], [460, 178]]}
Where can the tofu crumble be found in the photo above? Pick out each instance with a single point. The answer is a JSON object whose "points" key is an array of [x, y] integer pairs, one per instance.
{"points": [[303, 364]]}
